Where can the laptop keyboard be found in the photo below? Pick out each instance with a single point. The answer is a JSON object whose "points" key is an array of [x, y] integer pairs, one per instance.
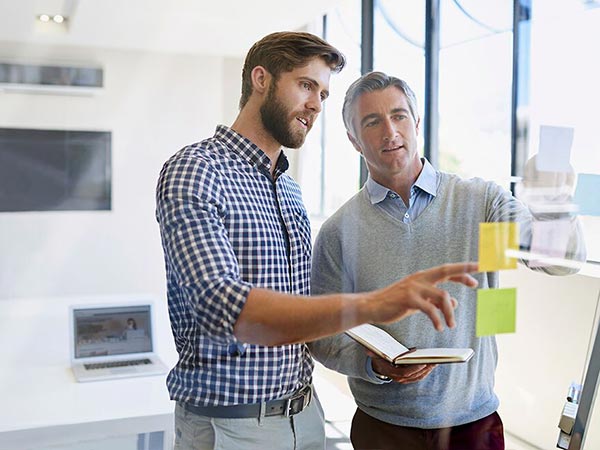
{"points": [[110, 365]]}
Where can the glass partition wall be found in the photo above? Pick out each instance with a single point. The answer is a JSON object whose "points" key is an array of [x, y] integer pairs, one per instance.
{"points": [[497, 89]]}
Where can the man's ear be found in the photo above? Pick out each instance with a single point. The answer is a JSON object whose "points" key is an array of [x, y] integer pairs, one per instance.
{"points": [[260, 80], [354, 142], [418, 130]]}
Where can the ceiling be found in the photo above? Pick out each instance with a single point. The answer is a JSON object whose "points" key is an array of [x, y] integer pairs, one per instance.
{"points": [[223, 27]]}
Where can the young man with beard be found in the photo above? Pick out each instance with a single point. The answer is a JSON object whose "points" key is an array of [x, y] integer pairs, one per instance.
{"points": [[408, 217], [237, 245]]}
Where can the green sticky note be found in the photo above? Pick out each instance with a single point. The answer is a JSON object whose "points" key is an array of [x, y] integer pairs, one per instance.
{"points": [[496, 311], [494, 239]]}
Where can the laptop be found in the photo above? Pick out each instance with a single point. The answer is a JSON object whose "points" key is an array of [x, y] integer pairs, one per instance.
{"points": [[114, 341]]}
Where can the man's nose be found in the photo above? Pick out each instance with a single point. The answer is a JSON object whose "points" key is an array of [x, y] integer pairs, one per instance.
{"points": [[389, 131], [314, 102]]}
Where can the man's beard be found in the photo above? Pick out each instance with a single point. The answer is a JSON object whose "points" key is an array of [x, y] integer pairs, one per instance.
{"points": [[275, 115]]}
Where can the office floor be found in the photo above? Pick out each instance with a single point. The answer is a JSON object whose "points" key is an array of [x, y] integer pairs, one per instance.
{"points": [[337, 438]]}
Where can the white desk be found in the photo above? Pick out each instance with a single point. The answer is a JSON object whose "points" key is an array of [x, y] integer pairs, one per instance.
{"points": [[41, 404]]}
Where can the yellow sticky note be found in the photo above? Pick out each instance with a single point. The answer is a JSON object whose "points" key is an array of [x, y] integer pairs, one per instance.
{"points": [[496, 311], [494, 239]]}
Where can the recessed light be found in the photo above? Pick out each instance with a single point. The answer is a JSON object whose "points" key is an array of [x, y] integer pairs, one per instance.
{"points": [[44, 18], [58, 18]]}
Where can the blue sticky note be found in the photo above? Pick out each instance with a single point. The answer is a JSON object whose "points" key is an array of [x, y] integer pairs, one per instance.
{"points": [[586, 194]]}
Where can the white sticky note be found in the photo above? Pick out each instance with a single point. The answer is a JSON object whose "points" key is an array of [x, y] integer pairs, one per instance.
{"points": [[554, 152], [550, 238]]}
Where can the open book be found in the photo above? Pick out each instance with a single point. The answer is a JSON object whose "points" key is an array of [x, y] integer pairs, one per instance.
{"points": [[385, 345]]}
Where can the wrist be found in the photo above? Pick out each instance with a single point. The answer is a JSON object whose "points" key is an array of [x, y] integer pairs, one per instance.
{"points": [[366, 312], [373, 374]]}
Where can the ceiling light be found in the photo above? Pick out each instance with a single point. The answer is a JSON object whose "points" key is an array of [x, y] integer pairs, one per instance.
{"points": [[44, 18], [58, 18]]}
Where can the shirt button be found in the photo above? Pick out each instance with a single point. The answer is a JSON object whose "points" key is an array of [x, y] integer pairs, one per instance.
{"points": [[406, 216]]}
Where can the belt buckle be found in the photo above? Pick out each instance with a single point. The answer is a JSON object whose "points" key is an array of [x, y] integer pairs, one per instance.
{"points": [[298, 402]]}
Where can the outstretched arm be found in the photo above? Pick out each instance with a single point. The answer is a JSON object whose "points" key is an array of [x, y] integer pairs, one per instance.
{"points": [[273, 318]]}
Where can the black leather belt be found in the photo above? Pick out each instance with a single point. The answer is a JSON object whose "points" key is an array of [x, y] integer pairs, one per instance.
{"points": [[282, 407]]}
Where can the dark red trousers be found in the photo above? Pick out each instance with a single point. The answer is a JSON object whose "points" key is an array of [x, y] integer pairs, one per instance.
{"points": [[369, 433]]}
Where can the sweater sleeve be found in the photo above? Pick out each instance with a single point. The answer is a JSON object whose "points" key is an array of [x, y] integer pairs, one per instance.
{"points": [[340, 352]]}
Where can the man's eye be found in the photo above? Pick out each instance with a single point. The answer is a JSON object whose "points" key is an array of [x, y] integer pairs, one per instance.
{"points": [[306, 85]]}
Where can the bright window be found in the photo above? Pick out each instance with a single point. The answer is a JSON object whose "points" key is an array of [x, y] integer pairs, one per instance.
{"points": [[475, 82], [329, 171], [565, 71]]}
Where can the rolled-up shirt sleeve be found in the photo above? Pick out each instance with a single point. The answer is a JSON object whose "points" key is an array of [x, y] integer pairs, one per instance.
{"points": [[191, 208]]}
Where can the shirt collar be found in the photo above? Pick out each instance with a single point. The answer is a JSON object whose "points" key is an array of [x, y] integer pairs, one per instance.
{"points": [[426, 181], [249, 151], [376, 191]]}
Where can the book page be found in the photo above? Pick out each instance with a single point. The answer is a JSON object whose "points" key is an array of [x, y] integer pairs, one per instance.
{"points": [[378, 340], [436, 356]]}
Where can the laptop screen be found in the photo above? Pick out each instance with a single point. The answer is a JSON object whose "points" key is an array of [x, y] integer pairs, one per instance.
{"points": [[115, 330]]}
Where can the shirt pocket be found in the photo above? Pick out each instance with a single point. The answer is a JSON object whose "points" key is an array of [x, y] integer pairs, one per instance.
{"points": [[302, 228]]}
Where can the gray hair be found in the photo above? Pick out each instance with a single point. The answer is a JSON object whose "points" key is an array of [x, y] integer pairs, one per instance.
{"points": [[370, 82]]}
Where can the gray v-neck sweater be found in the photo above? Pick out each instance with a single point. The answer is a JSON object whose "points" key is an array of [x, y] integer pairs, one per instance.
{"points": [[362, 248]]}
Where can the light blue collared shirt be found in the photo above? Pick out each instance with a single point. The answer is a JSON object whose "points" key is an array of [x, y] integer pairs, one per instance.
{"points": [[422, 192]]}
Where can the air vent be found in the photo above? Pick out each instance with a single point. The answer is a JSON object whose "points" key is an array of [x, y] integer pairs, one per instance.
{"points": [[48, 79]]}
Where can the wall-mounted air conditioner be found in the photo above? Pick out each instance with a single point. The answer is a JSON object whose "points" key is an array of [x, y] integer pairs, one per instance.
{"points": [[50, 79]]}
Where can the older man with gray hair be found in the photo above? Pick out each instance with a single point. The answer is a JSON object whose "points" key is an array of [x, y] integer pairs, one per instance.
{"points": [[407, 218]]}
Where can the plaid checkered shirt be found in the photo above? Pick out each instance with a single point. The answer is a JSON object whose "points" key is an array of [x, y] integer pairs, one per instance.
{"points": [[227, 226]]}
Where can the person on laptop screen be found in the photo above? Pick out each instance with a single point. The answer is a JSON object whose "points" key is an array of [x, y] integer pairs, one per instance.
{"points": [[408, 217], [237, 246], [131, 330], [131, 324]]}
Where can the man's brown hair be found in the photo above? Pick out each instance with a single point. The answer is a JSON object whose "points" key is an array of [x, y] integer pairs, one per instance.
{"points": [[285, 51]]}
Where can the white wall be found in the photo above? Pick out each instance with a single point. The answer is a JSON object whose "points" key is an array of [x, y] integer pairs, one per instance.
{"points": [[232, 88], [153, 104]]}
